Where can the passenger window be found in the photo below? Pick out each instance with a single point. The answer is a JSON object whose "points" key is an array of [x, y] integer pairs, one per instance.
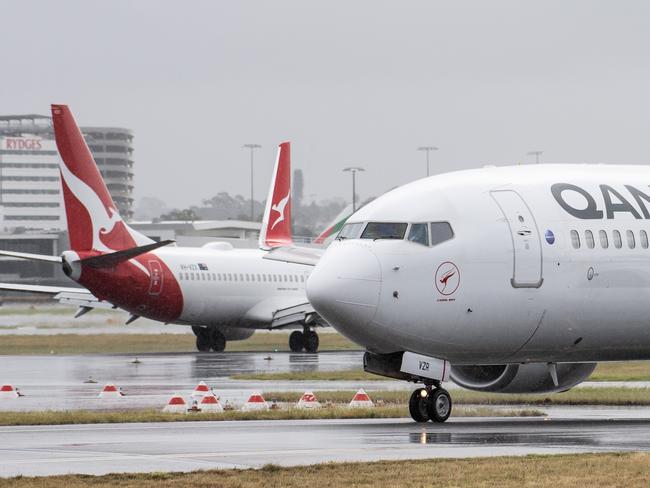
{"points": [[631, 243], [440, 232], [589, 239], [604, 241], [264, 277], [384, 230], [575, 239], [419, 233], [302, 279], [259, 278], [618, 242], [644, 239], [350, 231], [180, 276]]}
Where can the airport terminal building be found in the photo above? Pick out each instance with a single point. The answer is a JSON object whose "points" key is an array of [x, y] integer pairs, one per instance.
{"points": [[30, 190]]}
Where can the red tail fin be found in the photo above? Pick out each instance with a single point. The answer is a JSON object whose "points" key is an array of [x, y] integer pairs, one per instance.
{"points": [[276, 226], [93, 220]]}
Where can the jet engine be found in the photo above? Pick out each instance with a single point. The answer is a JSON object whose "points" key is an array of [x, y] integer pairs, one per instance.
{"points": [[236, 333], [522, 378]]}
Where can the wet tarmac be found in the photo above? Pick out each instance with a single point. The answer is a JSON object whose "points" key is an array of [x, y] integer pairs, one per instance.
{"points": [[58, 382], [99, 449]]}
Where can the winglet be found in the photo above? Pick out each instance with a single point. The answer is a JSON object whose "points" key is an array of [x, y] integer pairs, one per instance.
{"points": [[276, 225]]}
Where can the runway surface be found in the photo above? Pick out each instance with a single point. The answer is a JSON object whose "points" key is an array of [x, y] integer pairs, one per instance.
{"points": [[100, 449]]}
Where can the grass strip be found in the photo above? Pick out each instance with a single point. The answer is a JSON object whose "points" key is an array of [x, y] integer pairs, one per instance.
{"points": [[335, 412], [577, 396], [149, 343], [622, 371], [631, 470]]}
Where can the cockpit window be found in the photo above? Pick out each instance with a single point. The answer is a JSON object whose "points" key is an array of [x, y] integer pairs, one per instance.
{"points": [[419, 233], [384, 230], [350, 231], [440, 232]]}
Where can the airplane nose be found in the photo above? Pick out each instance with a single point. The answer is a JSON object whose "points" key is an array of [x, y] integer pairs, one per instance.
{"points": [[344, 287]]}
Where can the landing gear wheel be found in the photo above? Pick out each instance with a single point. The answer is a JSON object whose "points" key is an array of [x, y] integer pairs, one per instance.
{"points": [[439, 405], [296, 341], [311, 341], [217, 340], [202, 339], [418, 405]]}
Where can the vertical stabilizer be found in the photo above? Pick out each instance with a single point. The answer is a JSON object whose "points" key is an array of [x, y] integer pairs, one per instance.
{"points": [[276, 225], [335, 225], [93, 220]]}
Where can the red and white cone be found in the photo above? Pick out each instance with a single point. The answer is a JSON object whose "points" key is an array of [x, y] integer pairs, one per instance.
{"points": [[210, 404], [361, 400], [110, 391], [255, 402], [176, 404], [201, 390], [8, 392], [308, 400]]}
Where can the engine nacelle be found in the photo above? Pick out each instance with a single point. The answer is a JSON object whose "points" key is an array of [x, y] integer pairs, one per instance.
{"points": [[236, 333], [521, 378]]}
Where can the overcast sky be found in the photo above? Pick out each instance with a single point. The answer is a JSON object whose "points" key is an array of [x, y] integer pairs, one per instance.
{"points": [[348, 82]]}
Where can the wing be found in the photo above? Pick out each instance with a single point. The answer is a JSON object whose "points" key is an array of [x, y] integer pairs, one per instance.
{"points": [[279, 312], [297, 255], [64, 294]]}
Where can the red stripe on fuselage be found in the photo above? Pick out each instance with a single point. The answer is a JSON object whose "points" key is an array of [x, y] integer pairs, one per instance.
{"points": [[156, 294]]}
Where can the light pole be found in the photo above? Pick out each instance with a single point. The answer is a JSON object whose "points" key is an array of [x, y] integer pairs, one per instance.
{"points": [[354, 170], [428, 149], [537, 154], [252, 147]]}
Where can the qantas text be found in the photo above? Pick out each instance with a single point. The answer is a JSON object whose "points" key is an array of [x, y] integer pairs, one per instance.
{"points": [[613, 201]]}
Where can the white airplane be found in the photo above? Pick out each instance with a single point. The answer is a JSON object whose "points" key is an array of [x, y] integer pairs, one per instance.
{"points": [[512, 280], [224, 294]]}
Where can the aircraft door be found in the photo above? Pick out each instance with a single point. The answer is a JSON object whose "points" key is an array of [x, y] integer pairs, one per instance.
{"points": [[526, 244]]}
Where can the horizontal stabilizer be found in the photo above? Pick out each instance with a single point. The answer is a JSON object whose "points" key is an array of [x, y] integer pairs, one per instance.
{"points": [[297, 255], [51, 290], [32, 257], [112, 259]]}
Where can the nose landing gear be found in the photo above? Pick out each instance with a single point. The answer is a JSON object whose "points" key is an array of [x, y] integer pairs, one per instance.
{"points": [[430, 403]]}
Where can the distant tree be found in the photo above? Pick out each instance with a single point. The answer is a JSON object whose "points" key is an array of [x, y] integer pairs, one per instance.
{"points": [[185, 215]]}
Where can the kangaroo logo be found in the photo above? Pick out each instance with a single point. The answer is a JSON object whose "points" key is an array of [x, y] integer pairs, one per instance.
{"points": [[103, 220], [279, 207], [447, 278]]}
